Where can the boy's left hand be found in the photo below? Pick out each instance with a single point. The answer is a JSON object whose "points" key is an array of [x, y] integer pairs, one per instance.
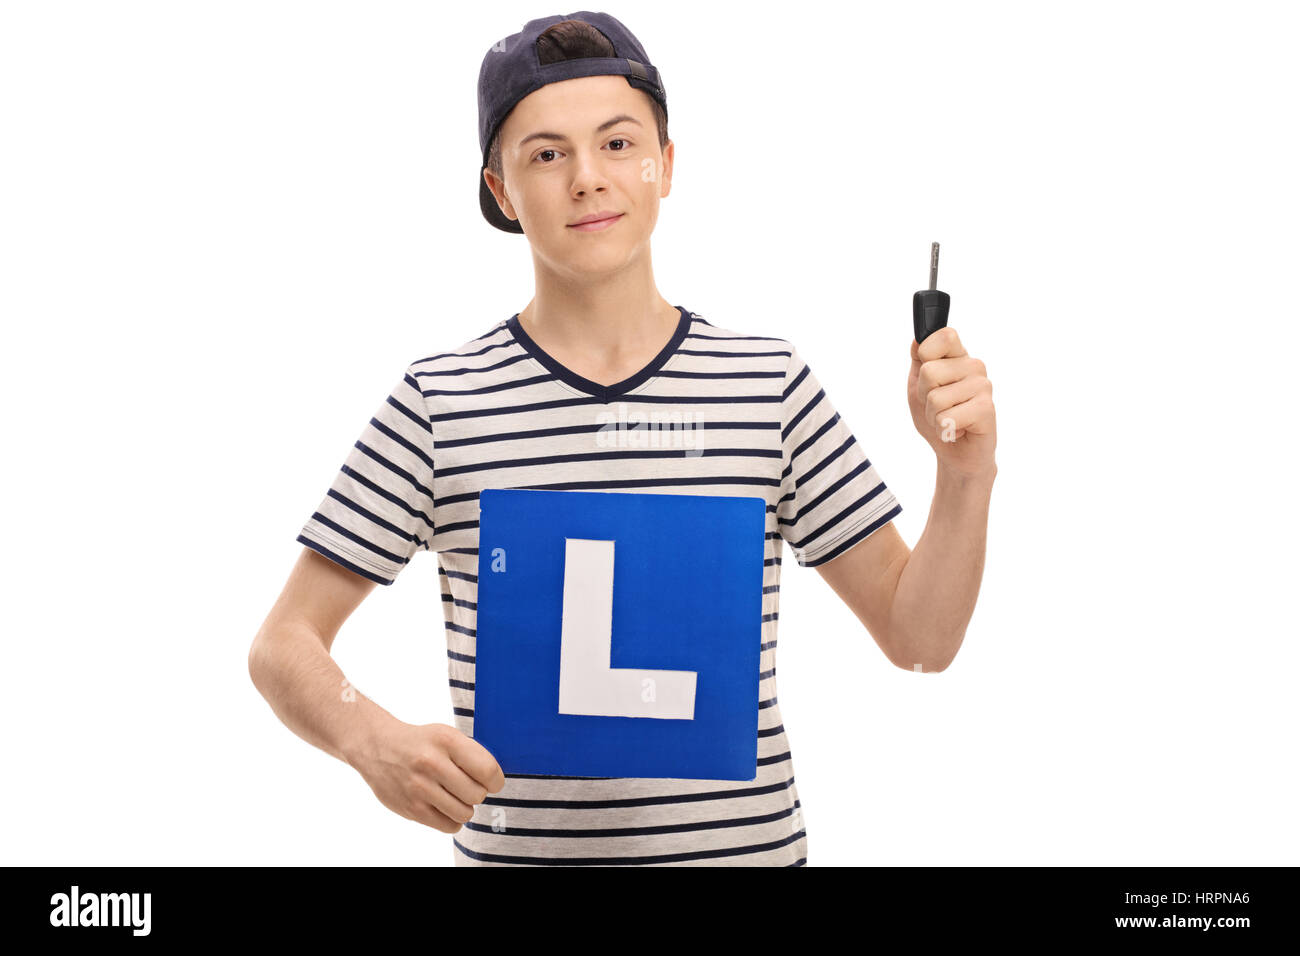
{"points": [[951, 399]]}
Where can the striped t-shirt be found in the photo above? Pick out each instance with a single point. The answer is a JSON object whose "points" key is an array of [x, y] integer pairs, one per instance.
{"points": [[716, 412]]}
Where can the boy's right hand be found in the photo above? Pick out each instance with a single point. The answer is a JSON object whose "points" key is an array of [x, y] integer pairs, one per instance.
{"points": [[431, 773]]}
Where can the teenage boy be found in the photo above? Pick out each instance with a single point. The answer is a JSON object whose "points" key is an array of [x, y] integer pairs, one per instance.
{"points": [[573, 129]]}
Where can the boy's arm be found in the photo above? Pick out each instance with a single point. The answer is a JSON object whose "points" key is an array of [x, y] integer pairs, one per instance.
{"points": [[866, 578], [291, 666], [430, 773], [917, 604]]}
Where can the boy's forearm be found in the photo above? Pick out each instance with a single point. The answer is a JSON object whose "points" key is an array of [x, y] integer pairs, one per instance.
{"points": [[308, 692], [938, 586]]}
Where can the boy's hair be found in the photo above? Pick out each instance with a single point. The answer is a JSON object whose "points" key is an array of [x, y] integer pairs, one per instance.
{"points": [[574, 40]]}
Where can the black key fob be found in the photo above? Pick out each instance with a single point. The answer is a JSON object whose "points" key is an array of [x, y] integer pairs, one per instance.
{"points": [[930, 306]]}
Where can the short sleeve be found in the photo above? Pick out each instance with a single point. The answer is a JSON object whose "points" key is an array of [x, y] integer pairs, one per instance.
{"points": [[379, 510], [831, 495]]}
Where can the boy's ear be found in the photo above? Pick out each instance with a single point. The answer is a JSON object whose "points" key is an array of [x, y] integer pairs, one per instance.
{"points": [[667, 176], [498, 188]]}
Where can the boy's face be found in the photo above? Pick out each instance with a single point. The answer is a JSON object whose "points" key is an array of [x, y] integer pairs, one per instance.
{"points": [[579, 166]]}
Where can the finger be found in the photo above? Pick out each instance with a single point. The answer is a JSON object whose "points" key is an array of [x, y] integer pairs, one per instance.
{"points": [[944, 371], [435, 795], [459, 784], [944, 425], [971, 416], [431, 816], [475, 759], [941, 343], [939, 400]]}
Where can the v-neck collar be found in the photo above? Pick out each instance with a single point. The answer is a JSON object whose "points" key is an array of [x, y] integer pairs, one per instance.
{"points": [[602, 392]]}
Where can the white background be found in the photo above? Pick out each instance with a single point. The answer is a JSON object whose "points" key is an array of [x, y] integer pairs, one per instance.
{"points": [[208, 209]]}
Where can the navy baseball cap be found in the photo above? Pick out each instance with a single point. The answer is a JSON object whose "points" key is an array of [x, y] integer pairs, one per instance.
{"points": [[511, 70]]}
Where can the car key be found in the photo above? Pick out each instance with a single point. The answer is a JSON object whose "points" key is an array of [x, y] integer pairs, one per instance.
{"points": [[930, 306]]}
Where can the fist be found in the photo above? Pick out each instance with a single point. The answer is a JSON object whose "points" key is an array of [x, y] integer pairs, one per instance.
{"points": [[951, 399]]}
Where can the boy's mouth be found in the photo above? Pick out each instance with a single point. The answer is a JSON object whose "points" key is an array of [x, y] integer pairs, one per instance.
{"points": [[596, 221]]}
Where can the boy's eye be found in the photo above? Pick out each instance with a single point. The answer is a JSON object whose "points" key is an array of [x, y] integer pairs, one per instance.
{"points": [[623, 149]]}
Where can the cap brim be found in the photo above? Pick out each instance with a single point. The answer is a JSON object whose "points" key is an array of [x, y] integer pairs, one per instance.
{"points": [[492, 212]]}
